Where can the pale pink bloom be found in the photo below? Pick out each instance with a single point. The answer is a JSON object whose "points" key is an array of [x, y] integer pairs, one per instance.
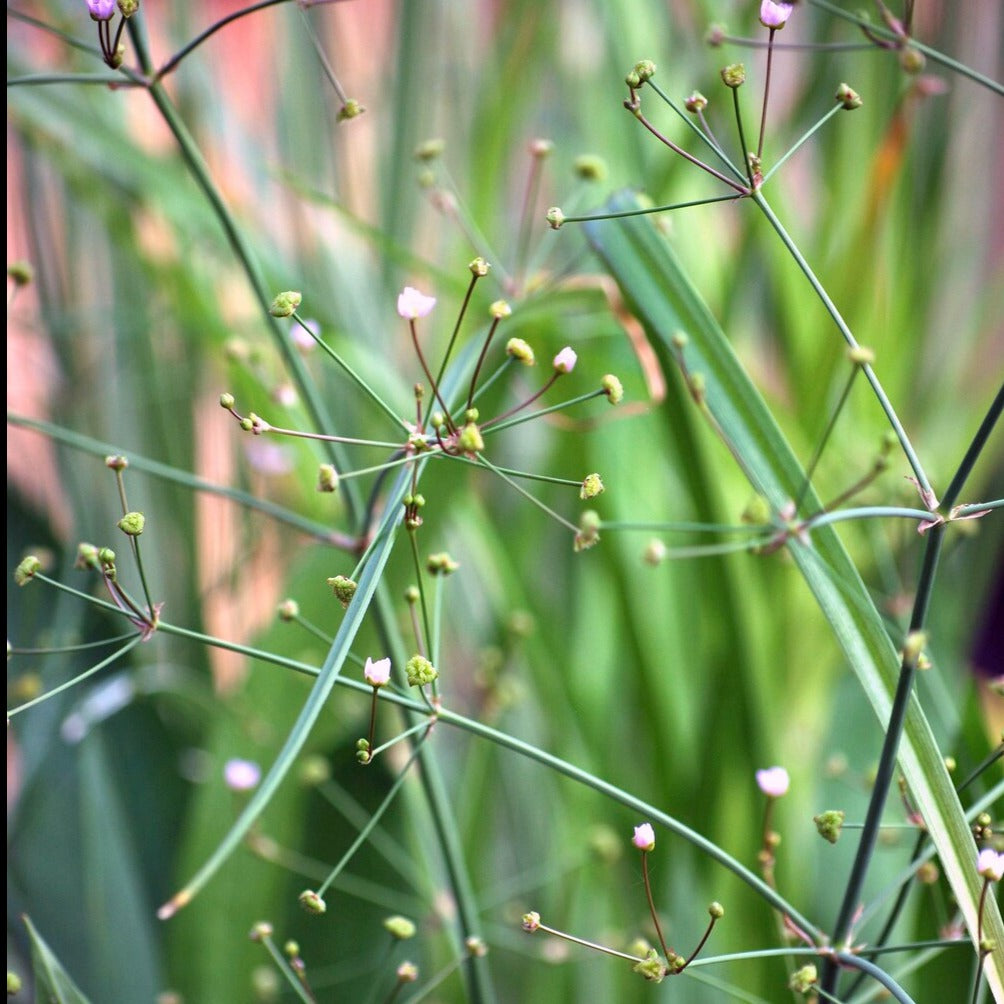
{"points": [[775, 14], [377, 674], [990, 864], [101, 10], [285, 394], [241, 775], [411, 304], [772, 781], [644, 837], [565, 360], [304, 339]]}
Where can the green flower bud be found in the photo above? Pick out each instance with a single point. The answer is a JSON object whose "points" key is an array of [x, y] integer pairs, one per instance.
{"points": [[479, 267], [128, 7], [26, 570], [412, 595], [350, 110], [861, 356], [344, 589], [475, 947], [734, 75], [555, 217], [613, 388], [226, 401], [429, 150], [606, 844], [697, 102], [803, 980], [591, 487], [285, 303], [644, 70], [848, 97], [407, 972], [716, 910], [291, 948], [654, 553], [106, 558], [20, 272], [928, 873], [589, 531], [116, 462], [500, 309], [651, 967], [288, 610], [589, 167], [912, 60], [757, 511], [13, 983], [470, 439], [541, 148], [420, 671], [441, 564], [261, 931], [314, 770], [132, 523], [400, 927], [311, 902], [829, 823], [327, 478], [531, 921], [520, 351]]}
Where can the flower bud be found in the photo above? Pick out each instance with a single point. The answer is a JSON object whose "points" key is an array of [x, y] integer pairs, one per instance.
{"points": [[470, 439], [128, 7], [26, 570], [861, 356], [734, 75], [520, 351], [285, 303], [429, 150], [912, 60], [565, 360], [419, 671], [226, 401], [475, 947], [589, 167], [288, 610], [697, 102], [407, 972], [531, 921], [327, 478], [654, 553], [377, 674], [644, 70], [555, 217], [116, 462], [803, 980], [20, 273], [541, 148], [589, 531], [829, 824], [441, 564], [350, 110], [500, 309], [613, 388], [479, 267], [101, 10], [132, 523], [716, 910], [261, 931], [651, 967], [314, 770], [344, 589], [644, 837], [106, 558], [400, 927], [87, 556], [311, 902], [592, 486], [774, 14], [848, 97]]}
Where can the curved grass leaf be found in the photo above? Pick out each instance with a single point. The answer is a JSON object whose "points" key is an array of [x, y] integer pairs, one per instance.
{"points": [[666, 303], [51, 981]]}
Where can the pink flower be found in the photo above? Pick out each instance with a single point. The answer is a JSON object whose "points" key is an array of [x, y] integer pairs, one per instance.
{"points": [[565, 360], [304, 335], [411, 304], [775, 14], [990, 864], [377, 674], [773, 781], [101, 10], [644, 837], [241, 775]]}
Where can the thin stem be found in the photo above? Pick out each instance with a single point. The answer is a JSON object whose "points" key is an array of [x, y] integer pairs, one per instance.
{"points": [[651, 906], [766, 92], [742, 139], [526, 219], [322, 57], [66, 649], [425, 633], [481, 359], [536, 501], [975, 449], [801, 141], [280, 960], [456, 330], [425, 369], [565, 936], [849, 338], [519, 407], [655, 209]]}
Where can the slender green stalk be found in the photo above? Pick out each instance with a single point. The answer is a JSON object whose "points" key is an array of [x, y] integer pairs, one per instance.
{"points": [[532, 498], [284, 967], [742, 139], [655, 209], [801, 141], [841, 324], [509, 423]]}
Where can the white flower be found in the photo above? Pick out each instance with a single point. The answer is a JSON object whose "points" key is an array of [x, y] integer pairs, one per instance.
{"points": [[241, 775], [565, 360], [772, 781], [411, 304], [377, 674], [990, 864]]}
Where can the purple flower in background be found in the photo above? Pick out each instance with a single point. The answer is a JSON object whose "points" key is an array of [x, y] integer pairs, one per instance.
{"points": [[772, 781], [241, 775], [101, 10], [774, 15]]}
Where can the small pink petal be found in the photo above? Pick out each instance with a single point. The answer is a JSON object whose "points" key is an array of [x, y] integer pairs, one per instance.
{"points": [[411, 304], [377, 674], [241, 775], [773, 781], [644, 837], [774, 14], [565, 360]]}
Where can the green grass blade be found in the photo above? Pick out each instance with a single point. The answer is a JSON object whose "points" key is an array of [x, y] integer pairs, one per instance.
{"points": [[51, 981], [667, 303]]}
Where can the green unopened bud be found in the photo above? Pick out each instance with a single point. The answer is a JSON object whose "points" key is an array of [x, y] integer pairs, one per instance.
{"points": [[697, 102], [288, 610], [128, 7], [848, 97], [644, 70], [697, 384], [520, 351], [928, 873], [20, 272], [470, 439], [541, 148], [117, 57], [429, 150], [400, 927], [757, 511], [106, 558], [13, 983], [861, 356], [475, 947], [555, 217], [26, 570], [116, 462], [291, 948], [651, 967], [613, 388], [829, 823], [311, 902], [500, 309], [132, 523], [715, 35], [654, 553], [589, 167], [912, 60], [716, 910], [350, 110], [589, 531], [87, 556], [679, 340], [412, 595], [285, 303], [327, 478], [344, 589], [803, 980], [913, 647], [734, 75], [592, 486], [419, 671], [226, 401], [441, 564], [261, 931], [531, 921], [407, 972], [479, 267]]}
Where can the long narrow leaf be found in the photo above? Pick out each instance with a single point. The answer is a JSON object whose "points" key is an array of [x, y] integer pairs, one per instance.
{"points": [[51, 981]]}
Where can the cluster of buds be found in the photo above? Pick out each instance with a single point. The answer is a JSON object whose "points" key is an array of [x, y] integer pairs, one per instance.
{"points": [[103, 12]]}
